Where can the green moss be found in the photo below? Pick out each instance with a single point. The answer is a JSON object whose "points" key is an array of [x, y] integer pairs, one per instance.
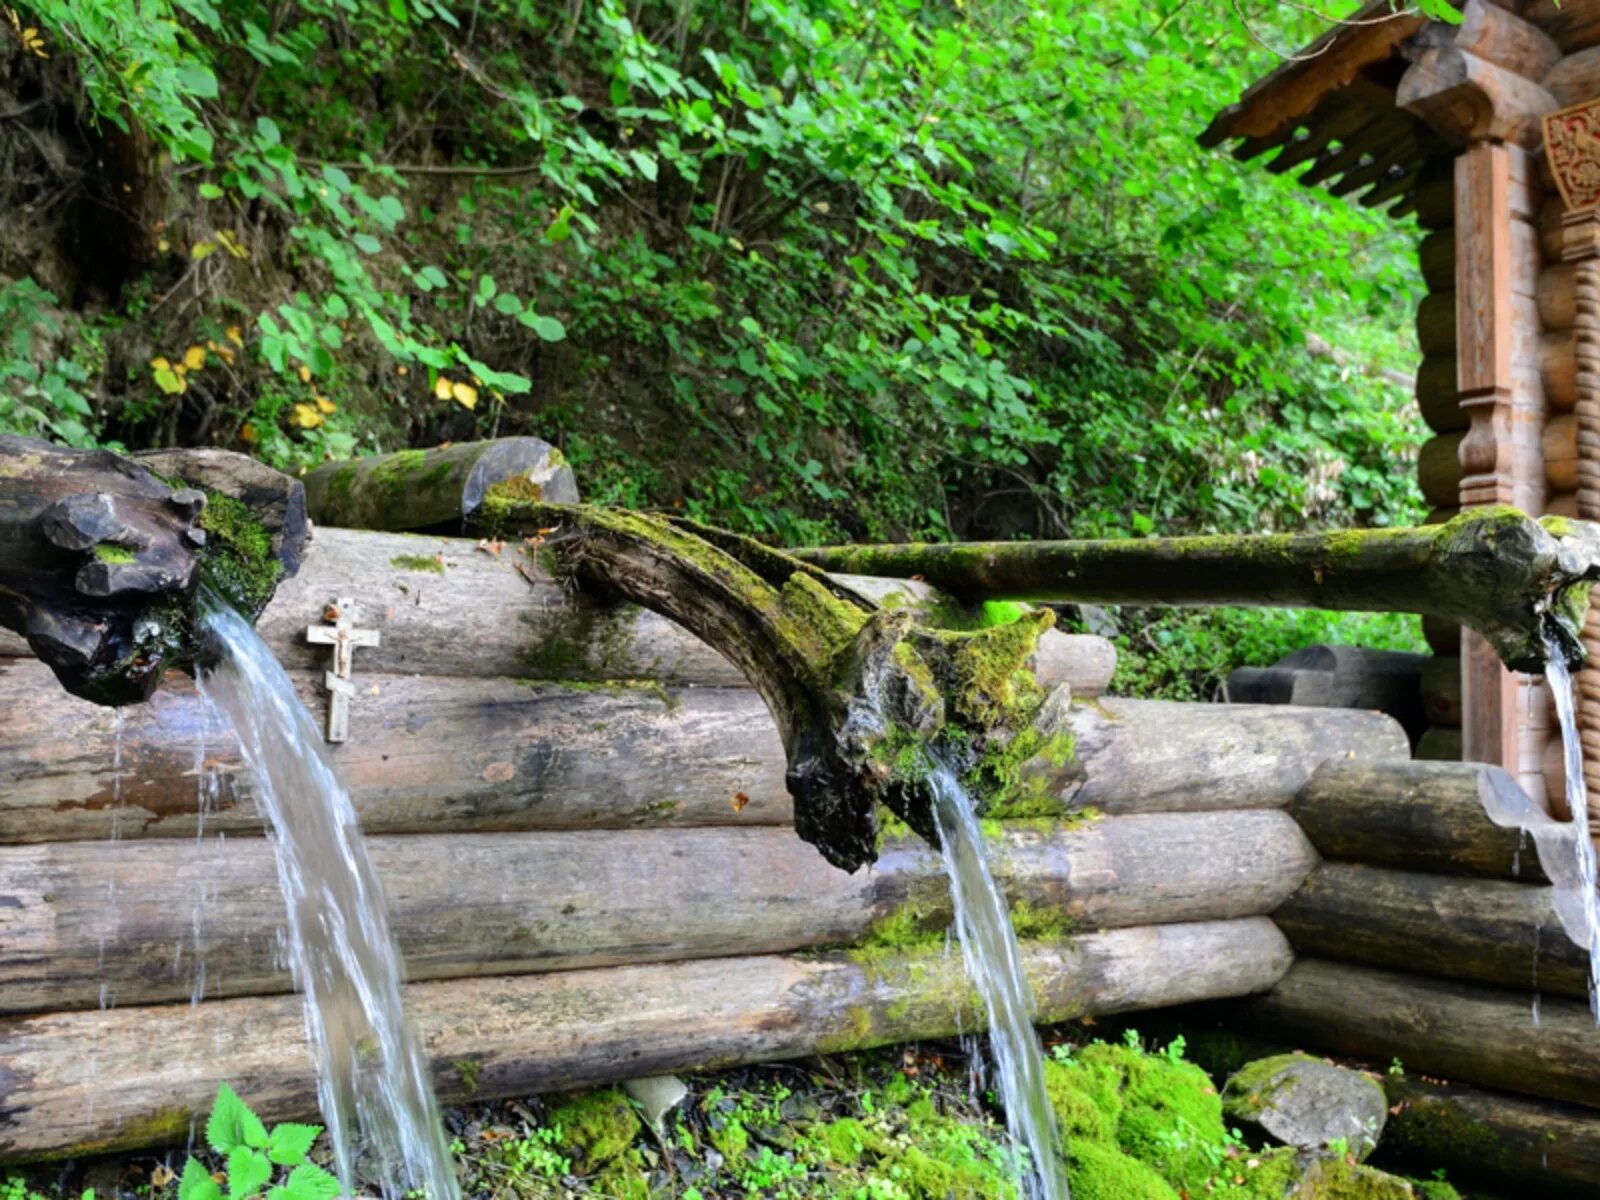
{"points": [[1045, 922], [470, 1071], [1429, 1128], [342, 481], [907, 927], [624, 1178], [730, 1138], [1336, 1179], [844, 1141], [393, 474], [238, 561], [418, 562], [596, 1126], [113, 554], [1097, 1171], [1434, 1189], [1251, 1088]]}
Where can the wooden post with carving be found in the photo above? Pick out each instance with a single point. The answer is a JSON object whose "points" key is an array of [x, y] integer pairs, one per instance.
{"points": [[1479, 85], [1574, 157]]}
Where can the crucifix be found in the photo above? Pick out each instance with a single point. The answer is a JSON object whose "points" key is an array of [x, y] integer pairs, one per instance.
{"points": [[344, 637]]}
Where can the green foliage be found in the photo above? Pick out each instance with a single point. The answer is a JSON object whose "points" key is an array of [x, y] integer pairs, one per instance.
{"points": [[891, 270], [252, 1157], [1187, 653], [41, 388]]}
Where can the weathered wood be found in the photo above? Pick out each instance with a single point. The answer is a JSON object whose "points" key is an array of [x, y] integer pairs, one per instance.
{"points": [[97, 554], [1557, 296], [1420, 816], [1440, 686], [1492, 1139], [1479, 930], [1492, 568], [436, 489], [1436, 323], [1437, 395], [1443, 636], [1442, 1028], [1439, 470], [1467, 98], [1558, 369], [1435, 201], [1560, 444], [415, 590], [1437, 256], [432, 754], [87, 923], [1563, 504], [1576, 78], [151, 1071], [1495, 33]]}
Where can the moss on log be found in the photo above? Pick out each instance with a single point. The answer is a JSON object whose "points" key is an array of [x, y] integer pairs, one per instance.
{"points": [[154, 1070], [1510, 577]]}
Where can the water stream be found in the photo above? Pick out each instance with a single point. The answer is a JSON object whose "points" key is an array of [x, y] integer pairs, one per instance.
{"points": [[371, 1074], [1576, 901], [994, 962]]}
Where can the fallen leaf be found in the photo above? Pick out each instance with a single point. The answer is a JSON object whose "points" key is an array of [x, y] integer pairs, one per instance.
{"points": [[465, 395], [325, 405], [305, 416], [739, 801], [194, 357], [442, 388], [491, 546]]}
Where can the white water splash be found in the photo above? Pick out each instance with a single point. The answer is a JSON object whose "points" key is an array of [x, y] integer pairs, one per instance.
{"points": [[994, 962], [371, 1075], [1576, 901]]}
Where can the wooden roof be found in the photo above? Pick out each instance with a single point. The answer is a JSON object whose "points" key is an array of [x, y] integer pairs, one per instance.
{"points": [[1333, 106]]}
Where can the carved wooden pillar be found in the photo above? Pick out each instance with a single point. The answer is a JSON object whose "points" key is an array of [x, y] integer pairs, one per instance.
{"points": [[1574, 159]]}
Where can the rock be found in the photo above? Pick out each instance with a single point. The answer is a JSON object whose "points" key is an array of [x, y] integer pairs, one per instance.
{"points": [[1337, 1179], [1305, 1102], [656, 1096]]}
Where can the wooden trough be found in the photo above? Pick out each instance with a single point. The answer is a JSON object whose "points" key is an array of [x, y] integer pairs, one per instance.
{"points": [[579, 814]]}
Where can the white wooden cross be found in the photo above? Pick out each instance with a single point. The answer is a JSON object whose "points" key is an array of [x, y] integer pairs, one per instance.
{"points": [[344, 637]]}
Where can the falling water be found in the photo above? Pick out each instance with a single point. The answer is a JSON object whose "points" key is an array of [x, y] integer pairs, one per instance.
{"points": [[1588, 904], [989, 948], [371, 1076]]}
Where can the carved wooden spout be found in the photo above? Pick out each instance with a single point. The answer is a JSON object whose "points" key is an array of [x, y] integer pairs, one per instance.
{"points": [[102, 556], [1515, 580]]}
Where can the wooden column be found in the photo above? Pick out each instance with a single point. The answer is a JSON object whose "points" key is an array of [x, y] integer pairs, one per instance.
{"points": [[1480, 86], [1581, 248]]}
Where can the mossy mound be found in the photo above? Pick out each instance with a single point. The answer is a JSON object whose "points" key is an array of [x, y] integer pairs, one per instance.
{"points": [[596, 1126]]}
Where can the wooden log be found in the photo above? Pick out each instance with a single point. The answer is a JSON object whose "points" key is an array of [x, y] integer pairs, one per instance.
{"points": [[1460, 1031], [1436, 323], [1437, 395], [1575, 78], [1443, 636], [1437, 256], [433, 754], [1553, 766], [1558, 369], [1440, 745], [1420, 816], [415, 590], [1338, 677], [1490, 567], [1441, 690], [1563, 504], [1439, 470], [437, 489], [1492, 1139], [1495, 33], [1558, 297], [1467, 98], [1560, 448], [1435, 202], [1479, 930], [145, 922], [100, 561], [153, 1070]]}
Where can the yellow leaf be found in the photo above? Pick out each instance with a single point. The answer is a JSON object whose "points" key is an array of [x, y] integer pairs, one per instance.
{"points": [[247, 434], [160, 364], [326, 405], [202, 250], [235, 336], [163, 245], [305, 374], [443, 389], [305, 416], [170, 381], [194, 357], [231, 244], [465, 395], [402, 369]]}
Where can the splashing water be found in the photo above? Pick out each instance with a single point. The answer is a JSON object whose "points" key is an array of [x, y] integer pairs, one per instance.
{"points": [[371, 1076], [1576, 900], [989, 949]]}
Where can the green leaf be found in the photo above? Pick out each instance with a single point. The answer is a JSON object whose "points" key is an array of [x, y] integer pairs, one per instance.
{"points": [[548, 328], [232, 1124], [645, 162], [210, 191], [310, 1182], [486, 289], [507, 304], [248, 1172], [289, 1143], [197, 1184]]}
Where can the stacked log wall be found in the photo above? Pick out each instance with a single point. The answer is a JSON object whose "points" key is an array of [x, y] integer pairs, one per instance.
{"points": [[591, 876]]}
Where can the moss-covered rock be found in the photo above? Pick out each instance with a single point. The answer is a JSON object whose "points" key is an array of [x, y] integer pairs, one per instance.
{"points": [[596, 1126], [1098, 1171], [1304, 1101], [1338, 1179]]}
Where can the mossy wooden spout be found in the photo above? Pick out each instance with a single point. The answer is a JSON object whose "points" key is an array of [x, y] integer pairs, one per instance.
{"points": [[1506, 575], [102, 556]]}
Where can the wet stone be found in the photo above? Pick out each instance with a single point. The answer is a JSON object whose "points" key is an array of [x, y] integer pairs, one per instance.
{"points": [[1307, 1103]]}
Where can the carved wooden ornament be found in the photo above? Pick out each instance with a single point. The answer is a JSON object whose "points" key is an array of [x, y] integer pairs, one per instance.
{"points": [[1572, 146]]}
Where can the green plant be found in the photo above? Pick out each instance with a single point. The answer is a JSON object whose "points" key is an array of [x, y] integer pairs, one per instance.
{"points": [[254, 1157]]}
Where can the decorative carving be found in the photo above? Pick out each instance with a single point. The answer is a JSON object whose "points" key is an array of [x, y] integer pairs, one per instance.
{"points": [[1572, 147]]}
